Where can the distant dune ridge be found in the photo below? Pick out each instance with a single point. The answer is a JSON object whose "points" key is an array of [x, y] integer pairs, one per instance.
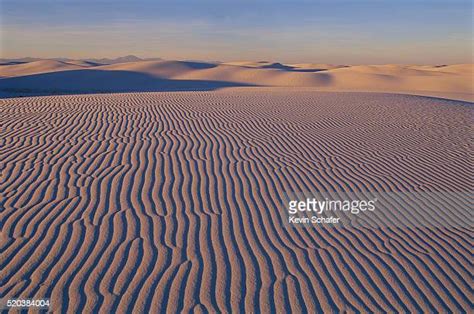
{"points": [[170, 201], [44, 77], [152, 186]]}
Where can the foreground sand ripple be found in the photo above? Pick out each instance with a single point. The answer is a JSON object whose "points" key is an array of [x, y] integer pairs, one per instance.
{"points": [[170, 201]]}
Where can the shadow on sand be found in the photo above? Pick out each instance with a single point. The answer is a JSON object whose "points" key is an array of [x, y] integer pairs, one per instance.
{"points": [[100, 81], [280, 66]]}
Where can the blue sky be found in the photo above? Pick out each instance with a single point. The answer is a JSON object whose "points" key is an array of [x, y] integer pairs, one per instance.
{"points": [[337, 31]]}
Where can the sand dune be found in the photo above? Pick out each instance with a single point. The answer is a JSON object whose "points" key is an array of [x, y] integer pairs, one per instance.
{"points": [[297, 66], [453, 81], [162, 69], [87, 81], [42, 66], [153, 202]]}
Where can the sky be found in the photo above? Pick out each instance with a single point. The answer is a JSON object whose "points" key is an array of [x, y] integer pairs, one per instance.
{"points": [[304, 31]]}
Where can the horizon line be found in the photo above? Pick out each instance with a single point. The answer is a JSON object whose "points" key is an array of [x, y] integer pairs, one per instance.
{"points": [[222, 61]]}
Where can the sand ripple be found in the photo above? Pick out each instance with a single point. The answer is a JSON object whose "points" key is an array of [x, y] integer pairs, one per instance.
{"points": [[149, 202]]}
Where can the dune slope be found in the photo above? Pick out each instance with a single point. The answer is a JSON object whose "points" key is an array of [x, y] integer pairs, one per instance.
{"points": [[41, 66], [153, 202]]}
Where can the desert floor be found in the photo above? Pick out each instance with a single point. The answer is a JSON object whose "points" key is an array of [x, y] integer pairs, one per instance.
{"points": [[158, 201]]}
